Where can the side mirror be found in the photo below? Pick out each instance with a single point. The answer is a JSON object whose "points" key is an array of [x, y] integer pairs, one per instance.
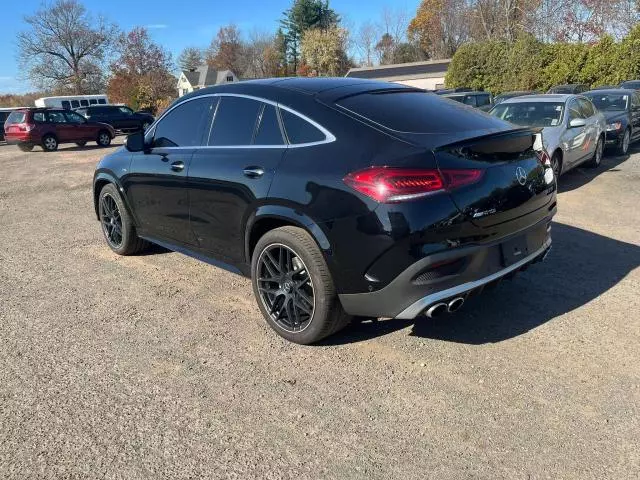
{"points": [[577, 123], [135, 142]]}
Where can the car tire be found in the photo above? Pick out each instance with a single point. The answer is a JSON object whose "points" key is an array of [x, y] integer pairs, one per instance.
{"points": [[556, 164], [104, 138], [81, 144], [624, 144], [597, 154], [25, 148], [294, 288], [117, 225], [49, 143]]}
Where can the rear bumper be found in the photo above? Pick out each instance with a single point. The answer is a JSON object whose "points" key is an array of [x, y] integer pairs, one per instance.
{"points": [[471, 268], [18, 139]]}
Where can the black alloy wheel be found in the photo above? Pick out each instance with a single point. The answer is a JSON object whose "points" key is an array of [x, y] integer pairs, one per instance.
{"points": [[286, 288], [111, 221]]}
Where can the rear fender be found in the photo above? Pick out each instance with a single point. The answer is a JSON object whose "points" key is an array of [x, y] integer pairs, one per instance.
{"points": [[288, 215]]}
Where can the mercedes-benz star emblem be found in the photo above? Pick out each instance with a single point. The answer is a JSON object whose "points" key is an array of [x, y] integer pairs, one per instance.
{"points": [[521, 175]]}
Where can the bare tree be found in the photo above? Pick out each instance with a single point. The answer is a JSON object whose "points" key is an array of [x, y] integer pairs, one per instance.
{"points": [[65, 48], [257, 50], [395, 23], [366, 40]]}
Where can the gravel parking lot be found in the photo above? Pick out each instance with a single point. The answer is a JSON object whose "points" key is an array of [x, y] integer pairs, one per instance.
{"points": [[159, 366]]}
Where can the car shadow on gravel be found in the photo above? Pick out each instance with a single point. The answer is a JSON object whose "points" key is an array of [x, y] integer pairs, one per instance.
{"points": [[580, 176], [581, 266]]}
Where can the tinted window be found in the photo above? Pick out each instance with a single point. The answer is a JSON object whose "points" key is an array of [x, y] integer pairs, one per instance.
{"points": [[16, 117], [57, 117], [183, 126], [102, 101], [82, 111], [75, 103], [635, 100], [268, 132], [84, 103], [73, 117], [610, 101], [418, 112], [299, 130], [470, 100], [126, 110], [3, 116], [483, 100], [66, 104], [235, 121], [39, 117], [93, 101]]}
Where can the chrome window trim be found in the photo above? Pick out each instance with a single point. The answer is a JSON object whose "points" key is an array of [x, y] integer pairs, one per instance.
{"points": [[329, 137]]}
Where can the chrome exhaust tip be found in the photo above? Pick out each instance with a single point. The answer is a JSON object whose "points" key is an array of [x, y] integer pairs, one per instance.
{"points": [[455, 304], [436, 310]]}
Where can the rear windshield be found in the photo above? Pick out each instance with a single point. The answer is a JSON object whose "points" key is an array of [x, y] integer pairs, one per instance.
{"points": [[530, 114], [418, 112], [16, 117]]}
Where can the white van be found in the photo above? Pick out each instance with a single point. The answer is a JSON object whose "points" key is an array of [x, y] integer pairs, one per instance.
{"points": [[72, 101]]}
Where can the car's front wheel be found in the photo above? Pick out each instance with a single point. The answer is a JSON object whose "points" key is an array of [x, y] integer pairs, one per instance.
{"points": [[294, 288], [624, 144], [117, 225]]}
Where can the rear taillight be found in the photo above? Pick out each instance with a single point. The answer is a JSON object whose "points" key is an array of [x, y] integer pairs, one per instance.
{"points": [[387, 185]]}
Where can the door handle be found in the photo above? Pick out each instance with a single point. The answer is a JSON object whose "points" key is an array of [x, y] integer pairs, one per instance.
{"points": [[177, 166], [253, 172]]}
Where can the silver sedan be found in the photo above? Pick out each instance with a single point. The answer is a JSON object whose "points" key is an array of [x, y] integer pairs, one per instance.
{"points": [[573, 130]]}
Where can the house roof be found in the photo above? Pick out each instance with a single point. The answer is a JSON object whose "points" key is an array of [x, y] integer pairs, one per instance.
{"points": [[205, 76], [403, 71]]}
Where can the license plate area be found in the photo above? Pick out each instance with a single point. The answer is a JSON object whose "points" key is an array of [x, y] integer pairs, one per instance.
{"points": [[514, 250]]}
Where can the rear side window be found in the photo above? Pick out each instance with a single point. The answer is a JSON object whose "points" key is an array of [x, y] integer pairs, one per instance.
{"points": [[235, 121], [470, 100], [268, 132], [57, 117], [183, 126], [102, 101], [418, 112], [16, 117], [84, 103], [298, 130], [38, 117]]}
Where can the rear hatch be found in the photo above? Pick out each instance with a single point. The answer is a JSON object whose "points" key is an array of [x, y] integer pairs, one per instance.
{"points": [[16, 122], [513, 181]]}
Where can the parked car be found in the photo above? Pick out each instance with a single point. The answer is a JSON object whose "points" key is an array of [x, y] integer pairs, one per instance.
{"points": [[604, 87], [631, 84], [573, 131], [49, 127], [506, 95], [621, 108], [329, 195], [445, 91], [574, 89], [119, 117], [481, 100]]}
